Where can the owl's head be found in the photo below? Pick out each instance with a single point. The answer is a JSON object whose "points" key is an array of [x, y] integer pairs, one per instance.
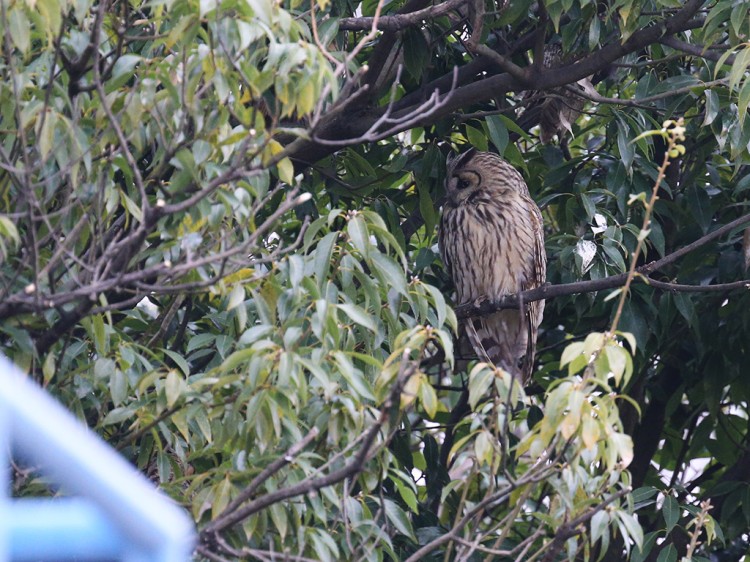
{"points": [[475, 171]]}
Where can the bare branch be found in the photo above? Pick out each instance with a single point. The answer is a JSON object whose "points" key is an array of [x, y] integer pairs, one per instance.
{"points": [[695, 50], [400, 21], [640, 102]]}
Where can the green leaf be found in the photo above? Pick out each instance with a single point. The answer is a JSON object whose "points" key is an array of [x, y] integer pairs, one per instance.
{"points": [[9, 231], [359, 316], [407, 494], [323, 254], [617, 358], [47, 133], [118, 415], [427, 207], [476, 138], [179, 361], [630, 338], [685, 305], [739, 67], [634, 530], [571, 352], [390, 273], [416, 52], [286, 171], [279, 518], [118, 387], [398, 519], [739, 17], [220, 496], [640, 554], [498, 133], [480, 380], [357, 230], [644, 496], [173, 387], [626, 148], [671, 512], [99, 334], [201, 151], [134, 210], [48, 368], [599, 525], [743, 100], [483, 448], [354, 377], [122, 71], [668, 554], [236, 358], [615, 257], [428, 397], [19, 28], [712, 106], [236, 297], [51, 17]]}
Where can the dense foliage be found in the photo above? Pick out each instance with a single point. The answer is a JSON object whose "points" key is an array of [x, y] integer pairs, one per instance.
{"points": [[218, 249]]}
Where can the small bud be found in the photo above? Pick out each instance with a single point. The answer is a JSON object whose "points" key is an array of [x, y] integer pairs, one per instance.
{"points": [[30, 289], [167, 263], [160, 202]]}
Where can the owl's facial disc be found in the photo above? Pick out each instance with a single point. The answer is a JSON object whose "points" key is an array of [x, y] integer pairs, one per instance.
{"points": [[462, 184]]}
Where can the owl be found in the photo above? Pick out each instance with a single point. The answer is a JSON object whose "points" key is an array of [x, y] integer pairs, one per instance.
{"points": [[560, 108], [492, 243]]}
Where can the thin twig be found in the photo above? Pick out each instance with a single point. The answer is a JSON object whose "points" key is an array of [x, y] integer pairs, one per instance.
{"points": [[673, 137]]}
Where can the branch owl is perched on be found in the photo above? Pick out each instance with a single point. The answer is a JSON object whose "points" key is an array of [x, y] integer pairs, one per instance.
{"points": [[492, 244]]}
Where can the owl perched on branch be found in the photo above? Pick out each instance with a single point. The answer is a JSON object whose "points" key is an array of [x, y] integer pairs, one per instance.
{"points": [[492, 244]]}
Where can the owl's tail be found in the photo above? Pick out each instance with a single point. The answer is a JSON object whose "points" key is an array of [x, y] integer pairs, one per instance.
{"points": [[502, 340]]}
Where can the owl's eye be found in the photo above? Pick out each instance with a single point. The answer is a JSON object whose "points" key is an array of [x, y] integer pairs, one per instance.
{"points": [[463, 183]]}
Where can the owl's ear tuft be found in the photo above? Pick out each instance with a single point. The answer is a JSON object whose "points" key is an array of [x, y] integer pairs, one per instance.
{"points": [[456, 162]]}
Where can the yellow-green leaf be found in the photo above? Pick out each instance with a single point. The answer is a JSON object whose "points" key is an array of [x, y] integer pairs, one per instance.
{"points": [[173, 386]]}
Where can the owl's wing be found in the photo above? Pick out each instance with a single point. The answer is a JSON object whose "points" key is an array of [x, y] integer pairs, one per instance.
{"points": [[535, 309]]}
